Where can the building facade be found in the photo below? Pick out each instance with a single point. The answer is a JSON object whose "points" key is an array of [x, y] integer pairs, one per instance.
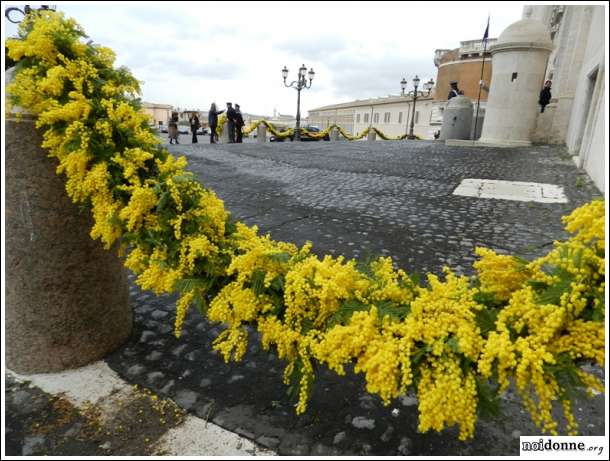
{"points": [[576, 114], [159, 113], [464, 65], [282, 120], [391, 115], [338, 114]]}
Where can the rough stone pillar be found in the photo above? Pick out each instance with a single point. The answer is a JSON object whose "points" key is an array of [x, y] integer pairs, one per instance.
{"points": [[67, 299], [334, 134], [371, 136], [519, 60], [224, 136], [457, 119], [261, 133]]}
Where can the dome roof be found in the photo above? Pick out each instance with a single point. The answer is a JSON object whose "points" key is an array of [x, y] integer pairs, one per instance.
{"points": [[459, 101], [526, 31]]}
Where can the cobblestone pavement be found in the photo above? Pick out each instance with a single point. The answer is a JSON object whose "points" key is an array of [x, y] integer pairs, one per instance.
{"points": [[353, 199], [38, 423], [385, 198]]}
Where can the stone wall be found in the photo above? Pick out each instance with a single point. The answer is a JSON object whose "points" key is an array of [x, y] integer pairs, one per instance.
{"points": [[467, 73]]}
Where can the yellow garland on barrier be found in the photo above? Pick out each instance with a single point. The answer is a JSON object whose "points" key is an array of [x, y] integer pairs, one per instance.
{"points": [[457, 342], [222, 119], [246, 131], [316, 135]]}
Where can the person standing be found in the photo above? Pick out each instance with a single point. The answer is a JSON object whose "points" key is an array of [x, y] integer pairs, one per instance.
{"points": [[455, 91], [239, 124], [213, 122], [195, 125], [545, 95], [172, 128], [231, 119]]}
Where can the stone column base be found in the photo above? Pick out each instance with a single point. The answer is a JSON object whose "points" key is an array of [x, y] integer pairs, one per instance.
{"points": [[67, 299], [261, 134], [334, 135]]}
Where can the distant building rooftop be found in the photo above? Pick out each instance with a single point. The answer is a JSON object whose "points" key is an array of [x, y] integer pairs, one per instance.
{"points": [[157, 105], [390, 99], [469, 49]]}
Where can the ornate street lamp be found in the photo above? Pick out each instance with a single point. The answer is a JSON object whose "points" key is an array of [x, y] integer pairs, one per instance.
{"points": [[429, 85], [298, 85], [26, 10], [403, 85]]}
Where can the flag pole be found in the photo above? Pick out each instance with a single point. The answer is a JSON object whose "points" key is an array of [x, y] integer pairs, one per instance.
{"points": [[476, 117]]}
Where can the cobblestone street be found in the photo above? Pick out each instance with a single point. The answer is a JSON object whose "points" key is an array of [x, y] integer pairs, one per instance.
{"points": [[355, 199], [390, 198]]}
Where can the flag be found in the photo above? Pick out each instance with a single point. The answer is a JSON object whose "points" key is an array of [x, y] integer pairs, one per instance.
{"points": [[486, 34]]}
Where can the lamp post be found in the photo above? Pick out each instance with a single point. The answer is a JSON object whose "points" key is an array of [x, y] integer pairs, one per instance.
{"points": [[403, 85], [298, 85], [26, 10]]}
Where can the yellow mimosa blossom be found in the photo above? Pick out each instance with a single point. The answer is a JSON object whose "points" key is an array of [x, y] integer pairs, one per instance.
{"points": [[513, 322]]}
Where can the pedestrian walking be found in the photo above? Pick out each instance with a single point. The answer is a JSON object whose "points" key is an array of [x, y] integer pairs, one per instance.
{"points": [[213, 122], [231, 119], [195, 125], [545, 95], [239, 124], [172, 128]]}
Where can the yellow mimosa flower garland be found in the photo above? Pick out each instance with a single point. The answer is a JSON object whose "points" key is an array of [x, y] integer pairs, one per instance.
{"points": [[455, 341]]}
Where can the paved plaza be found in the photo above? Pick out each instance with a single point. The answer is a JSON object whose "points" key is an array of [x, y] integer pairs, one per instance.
{"points": [[359, 200], [385, 198]]}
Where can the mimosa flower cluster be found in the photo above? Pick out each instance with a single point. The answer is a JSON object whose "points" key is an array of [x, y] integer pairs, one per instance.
{"points": [[456, 342]]}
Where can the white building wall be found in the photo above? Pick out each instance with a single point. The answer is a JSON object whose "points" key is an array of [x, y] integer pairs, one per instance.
{"points": [[593, 153], [421, 128], [586, 129], [576, 114], [571, 27], [540, 13], [325, 118]]}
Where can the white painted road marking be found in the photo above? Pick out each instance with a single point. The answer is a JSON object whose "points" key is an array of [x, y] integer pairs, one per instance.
{"points": [[511, 190]]}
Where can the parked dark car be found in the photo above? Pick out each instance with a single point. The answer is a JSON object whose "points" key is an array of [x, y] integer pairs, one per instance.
{"points": [[304, 137]]}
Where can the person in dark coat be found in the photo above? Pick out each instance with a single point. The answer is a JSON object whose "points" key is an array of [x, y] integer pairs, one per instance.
{"points": [[231, 119], [545, 95], [172, 128], [213, 122], [239, 123], [195, 125], [455, 91]]}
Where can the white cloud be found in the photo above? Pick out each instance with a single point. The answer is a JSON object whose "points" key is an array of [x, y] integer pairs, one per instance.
{"points": [[190, 54]]}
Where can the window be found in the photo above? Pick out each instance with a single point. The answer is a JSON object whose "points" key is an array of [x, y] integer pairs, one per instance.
{"points": [[357, 118], [366, 118], [386, 117], [376, 117], [399, 117], [416, 117]]}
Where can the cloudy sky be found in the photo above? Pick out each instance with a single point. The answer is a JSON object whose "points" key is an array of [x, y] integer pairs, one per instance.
{"points": [[190, 54]]}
